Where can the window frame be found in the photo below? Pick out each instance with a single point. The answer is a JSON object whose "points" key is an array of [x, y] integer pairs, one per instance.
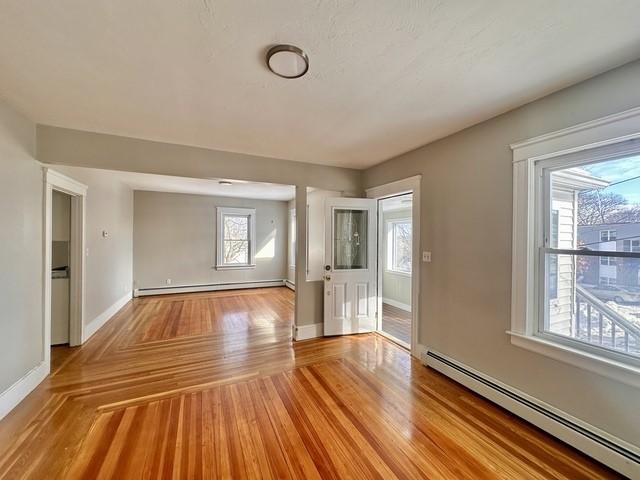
{"points": [[250, 213], [610, 137], [292, 237], [390, 260]]}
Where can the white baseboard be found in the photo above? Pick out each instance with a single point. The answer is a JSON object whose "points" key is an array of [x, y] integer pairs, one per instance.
{"points": [[604, 447], [394, 303], [305, 332], [141, 292], [93, 326], [13, 395], [290, 284]]}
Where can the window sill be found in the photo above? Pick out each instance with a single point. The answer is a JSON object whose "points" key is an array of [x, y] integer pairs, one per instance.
{"points": [[397, 272], [235, 267], [607, 367]]}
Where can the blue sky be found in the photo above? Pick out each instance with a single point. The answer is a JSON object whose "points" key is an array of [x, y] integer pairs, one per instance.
{"points": [[617, 170]]}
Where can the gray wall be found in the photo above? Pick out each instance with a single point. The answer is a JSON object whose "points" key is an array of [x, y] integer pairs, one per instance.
{"points": [[175, 237], [109, 263], [465, 296], [73, 147], [21, 282]]}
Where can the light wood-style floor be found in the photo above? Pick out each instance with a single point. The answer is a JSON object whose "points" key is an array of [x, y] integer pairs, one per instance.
{"points": [[396, 322], [210, 386]]}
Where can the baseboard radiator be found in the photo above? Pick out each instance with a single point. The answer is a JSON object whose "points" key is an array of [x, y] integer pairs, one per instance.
{"points": [[210, 287], [614, 452]]}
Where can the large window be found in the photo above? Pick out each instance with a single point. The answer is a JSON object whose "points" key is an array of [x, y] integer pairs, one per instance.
{"points": [[591, 295], [576, 250], [399, 246], [236, 238]]}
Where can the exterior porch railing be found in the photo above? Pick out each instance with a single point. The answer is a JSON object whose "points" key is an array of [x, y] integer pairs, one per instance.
{"points": [[597, 323]]}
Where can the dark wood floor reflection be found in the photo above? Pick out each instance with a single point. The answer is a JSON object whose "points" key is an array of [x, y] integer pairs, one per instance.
{"points": [[396, 322], [210, 386]]}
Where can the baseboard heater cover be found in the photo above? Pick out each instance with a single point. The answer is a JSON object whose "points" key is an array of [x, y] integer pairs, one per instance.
{"points": [[616, 454], [163, 290]]}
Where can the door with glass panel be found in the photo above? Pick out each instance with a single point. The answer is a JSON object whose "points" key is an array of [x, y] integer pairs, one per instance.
{"points": [[350, 266]]}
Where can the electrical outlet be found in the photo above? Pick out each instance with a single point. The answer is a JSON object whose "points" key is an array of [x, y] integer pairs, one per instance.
{"points": [[426, 257], [168, 281]]}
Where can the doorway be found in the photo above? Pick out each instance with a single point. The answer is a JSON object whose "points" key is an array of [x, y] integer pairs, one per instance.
{"points": [[398, 261], [63, 271], [395, 265], [60, 273]]}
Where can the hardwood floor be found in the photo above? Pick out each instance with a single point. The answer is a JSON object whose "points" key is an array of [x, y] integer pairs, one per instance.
{"points": [[396, 322], [209, 386]]}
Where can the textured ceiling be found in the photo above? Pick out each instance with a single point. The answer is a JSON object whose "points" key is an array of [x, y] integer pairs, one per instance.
{"points": [[385, 76], [195, 186]]}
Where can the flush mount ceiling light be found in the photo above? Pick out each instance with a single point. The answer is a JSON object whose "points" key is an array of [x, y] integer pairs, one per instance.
{"points": [[287, 61]]}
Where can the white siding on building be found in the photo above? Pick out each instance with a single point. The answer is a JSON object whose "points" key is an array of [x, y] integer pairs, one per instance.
{"points": [[561, 308]]}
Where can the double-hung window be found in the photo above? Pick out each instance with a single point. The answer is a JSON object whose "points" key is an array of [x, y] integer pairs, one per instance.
{"points": [[608, 235], [576, 280], [235, 246], [631, 245], [399, 246]]}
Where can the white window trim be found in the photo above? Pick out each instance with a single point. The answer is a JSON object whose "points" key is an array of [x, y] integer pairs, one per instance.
{"points": [[292, 244], [249, 212], [619, 133], [389, 259]]}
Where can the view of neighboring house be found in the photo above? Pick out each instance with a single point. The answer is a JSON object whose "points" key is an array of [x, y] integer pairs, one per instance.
{"points": [[611, 271]]}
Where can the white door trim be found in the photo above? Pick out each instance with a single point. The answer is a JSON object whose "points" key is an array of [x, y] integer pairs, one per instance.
{"points": [[56, 181], [407, 185]]}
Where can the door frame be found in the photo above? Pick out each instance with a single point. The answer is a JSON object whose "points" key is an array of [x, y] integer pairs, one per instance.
{"points": [[56, 181], [392, 189]]}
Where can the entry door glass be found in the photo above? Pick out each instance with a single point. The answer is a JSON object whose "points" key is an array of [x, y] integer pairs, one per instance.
{"points": [[350, 239]]}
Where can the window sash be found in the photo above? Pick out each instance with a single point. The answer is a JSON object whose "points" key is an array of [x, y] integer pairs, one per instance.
{"points": [[543, 237], [224, 225], [224, 238]]}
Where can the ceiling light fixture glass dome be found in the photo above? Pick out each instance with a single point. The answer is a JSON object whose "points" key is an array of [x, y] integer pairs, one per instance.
{"points": [[287, 61]]}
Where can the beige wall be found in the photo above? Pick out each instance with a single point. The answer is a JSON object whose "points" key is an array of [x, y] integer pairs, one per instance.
{"points": [[74, 147], [21, 282], [109, 262], [175, 237], [466, 195]]}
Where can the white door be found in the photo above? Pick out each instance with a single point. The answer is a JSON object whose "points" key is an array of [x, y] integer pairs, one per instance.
{"points": [[350, 266]]}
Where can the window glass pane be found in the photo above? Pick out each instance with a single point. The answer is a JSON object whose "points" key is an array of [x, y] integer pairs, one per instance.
{"points": [[402, 246], [594, 299], [552, 266], [236, 251], [350, 239], [601, 310], [236, 227]]}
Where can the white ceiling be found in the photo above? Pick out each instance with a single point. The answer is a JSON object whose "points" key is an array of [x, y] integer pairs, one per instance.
{"points": [[196, 186], [385, 76]]}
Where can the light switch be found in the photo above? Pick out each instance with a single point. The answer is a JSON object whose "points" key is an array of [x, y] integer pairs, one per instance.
{"points": [[426, 257]]}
